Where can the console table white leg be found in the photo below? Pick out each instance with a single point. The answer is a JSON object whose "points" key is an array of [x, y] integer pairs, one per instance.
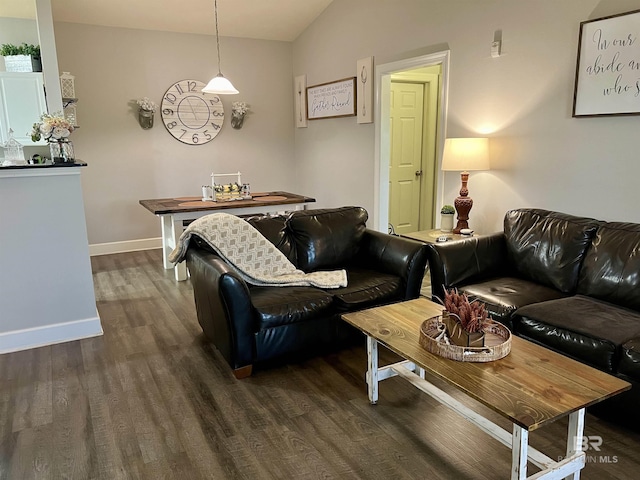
{"points": [[166, 225], [519, 454], [372, 372], [574, 437]]}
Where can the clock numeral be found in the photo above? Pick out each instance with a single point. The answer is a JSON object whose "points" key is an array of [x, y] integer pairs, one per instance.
{"points": [[215, 100], [183, 132], [171, 125], [215, 126], [192, 86], [206, 134], [167, 111], [217, 114], [194, 138], [171, 98], [179, 89]]}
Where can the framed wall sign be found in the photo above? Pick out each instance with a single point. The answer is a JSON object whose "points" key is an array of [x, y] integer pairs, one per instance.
{"points": [[608, 67], [364, 70], [333, 99], [300, 100]]}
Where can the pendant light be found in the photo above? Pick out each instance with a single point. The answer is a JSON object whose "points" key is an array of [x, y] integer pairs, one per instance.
{"points": [[219, 84]]}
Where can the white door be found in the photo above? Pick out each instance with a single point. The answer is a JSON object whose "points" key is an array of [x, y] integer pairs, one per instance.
{"points": [[405, 168]]}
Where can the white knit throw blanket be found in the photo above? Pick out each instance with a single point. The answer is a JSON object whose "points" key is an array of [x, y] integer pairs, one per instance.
{"points": [[254, 258]]}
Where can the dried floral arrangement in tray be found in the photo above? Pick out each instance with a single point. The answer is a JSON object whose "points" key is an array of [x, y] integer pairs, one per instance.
{"points": [[465, 319]]}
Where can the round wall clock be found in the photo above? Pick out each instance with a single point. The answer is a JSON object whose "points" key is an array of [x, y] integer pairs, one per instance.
{"points": [[191, 116]]}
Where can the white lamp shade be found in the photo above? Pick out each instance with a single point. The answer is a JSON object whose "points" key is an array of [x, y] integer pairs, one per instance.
{"points": [[461, 154], [220, 86]]}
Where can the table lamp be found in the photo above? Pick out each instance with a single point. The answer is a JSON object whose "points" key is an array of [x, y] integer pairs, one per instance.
{"points": [[462, 155]]}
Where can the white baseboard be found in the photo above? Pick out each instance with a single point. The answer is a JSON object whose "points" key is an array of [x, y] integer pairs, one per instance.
{"points": [[50, 334], [126, 246]]}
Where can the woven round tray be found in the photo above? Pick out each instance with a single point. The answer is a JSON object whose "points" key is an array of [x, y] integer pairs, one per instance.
{"points": [[497, 339]]}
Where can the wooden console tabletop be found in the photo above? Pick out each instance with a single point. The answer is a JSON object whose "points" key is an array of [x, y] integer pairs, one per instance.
{"points": [[163, 206]]}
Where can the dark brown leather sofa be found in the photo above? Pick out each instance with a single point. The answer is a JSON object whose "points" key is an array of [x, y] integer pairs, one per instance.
{"points": [[568, 283], [253, 325]]}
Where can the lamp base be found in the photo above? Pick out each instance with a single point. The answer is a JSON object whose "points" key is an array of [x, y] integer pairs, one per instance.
{"points": [[463, 207]]}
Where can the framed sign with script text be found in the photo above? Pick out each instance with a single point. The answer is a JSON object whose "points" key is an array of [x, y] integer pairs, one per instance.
{"points": [[333, 99], [608, 67]]}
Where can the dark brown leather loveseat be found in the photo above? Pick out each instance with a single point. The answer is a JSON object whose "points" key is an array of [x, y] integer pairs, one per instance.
{"points": [[569, 283], [251, 325]]}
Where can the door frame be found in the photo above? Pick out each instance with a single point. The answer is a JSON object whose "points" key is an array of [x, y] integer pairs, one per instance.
{"points": [[383, 126]]}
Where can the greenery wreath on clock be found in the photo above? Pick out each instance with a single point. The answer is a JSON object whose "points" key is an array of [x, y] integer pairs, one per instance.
{"points": [[190, 115]]}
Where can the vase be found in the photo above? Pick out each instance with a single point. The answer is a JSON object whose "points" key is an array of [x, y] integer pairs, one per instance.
{"points": [[145, 118], [446, 222], [62, 151], [237, 119]]}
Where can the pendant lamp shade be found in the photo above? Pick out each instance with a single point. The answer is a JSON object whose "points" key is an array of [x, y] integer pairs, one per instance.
{"points": [[219, 84]]}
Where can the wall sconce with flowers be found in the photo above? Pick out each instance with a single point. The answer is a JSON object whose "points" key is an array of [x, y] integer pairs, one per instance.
{"points": [[238, 111], [146, 110]]}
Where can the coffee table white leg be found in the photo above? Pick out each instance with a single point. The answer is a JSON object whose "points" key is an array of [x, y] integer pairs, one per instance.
{"points": [[372, 372], [574, 437], [519, 447]]}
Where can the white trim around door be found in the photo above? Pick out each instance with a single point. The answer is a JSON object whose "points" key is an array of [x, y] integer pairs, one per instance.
{"points": [[382, 123]]}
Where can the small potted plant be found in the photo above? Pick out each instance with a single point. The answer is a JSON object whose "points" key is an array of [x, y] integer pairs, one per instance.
{"points": [[446, 220], [21, 58], [464, 319]]}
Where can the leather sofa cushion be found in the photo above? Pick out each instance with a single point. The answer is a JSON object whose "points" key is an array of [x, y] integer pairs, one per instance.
{"points": [[610, 268], [276, 306], [548, 247], [326, 239], [630, 359], [503, 296], [589, 330], [366, 288]]}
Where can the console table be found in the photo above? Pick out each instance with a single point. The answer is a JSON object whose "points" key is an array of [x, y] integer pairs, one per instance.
{"points": [[174, 211]]}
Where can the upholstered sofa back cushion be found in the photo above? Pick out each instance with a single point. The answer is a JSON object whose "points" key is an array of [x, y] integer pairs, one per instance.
{"points": [[326, 238], [611, 268], [274, 229], [548, 247]]}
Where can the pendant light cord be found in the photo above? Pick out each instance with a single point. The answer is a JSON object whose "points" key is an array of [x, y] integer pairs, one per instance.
{"points": [[217, 36]]}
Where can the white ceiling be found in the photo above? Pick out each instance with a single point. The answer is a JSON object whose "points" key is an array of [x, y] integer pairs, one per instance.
{"points": [[264, 19]]}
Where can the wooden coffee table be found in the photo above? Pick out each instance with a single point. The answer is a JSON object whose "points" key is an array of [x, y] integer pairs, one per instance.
{"points": [[532, 386]]}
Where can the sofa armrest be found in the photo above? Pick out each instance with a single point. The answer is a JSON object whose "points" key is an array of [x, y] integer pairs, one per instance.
{"points": [[223, 306], [395, 255], [454, 264]]}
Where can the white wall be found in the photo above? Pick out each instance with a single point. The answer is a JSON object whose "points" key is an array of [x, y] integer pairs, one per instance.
{"points": [[541, 156], [114, 66]]}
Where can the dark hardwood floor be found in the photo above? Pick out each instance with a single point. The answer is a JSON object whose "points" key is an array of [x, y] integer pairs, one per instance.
{"points": [[152, 400]]}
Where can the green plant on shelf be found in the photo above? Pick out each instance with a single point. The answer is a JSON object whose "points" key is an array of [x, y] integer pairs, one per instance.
{"points": [[447, 209], [8, 49]]}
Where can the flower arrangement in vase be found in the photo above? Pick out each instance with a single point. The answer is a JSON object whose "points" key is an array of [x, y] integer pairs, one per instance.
{"points": [[464, 319], [146, 111], [55, 129], [238, 111]]}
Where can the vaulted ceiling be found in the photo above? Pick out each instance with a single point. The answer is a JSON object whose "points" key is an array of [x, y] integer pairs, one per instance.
{"points": [[264, 19]]}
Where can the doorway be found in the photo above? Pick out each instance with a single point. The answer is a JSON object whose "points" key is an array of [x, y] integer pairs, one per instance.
{"points": [[412, 161], [431, 180]]}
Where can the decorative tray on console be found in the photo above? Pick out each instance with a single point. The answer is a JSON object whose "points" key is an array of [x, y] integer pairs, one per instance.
{"points": [[497, 342]]}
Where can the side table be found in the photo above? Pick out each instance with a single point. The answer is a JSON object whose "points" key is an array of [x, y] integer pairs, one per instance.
{"points": [[431, 236]]}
